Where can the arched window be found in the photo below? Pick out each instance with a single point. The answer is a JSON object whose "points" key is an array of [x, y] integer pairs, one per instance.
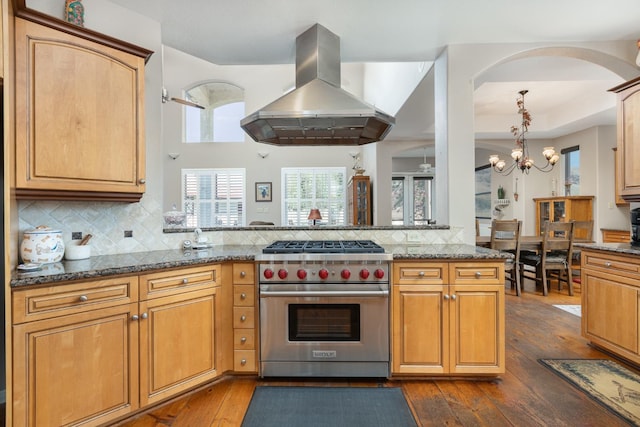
{"points": [[219, 120]]}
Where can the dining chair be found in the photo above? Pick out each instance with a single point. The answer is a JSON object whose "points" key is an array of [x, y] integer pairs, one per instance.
{"points": [[554, 256], [505, 237], [582, 230]]}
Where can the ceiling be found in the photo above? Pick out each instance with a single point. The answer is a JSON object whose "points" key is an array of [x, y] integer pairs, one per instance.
{"points": [[264, 32]]}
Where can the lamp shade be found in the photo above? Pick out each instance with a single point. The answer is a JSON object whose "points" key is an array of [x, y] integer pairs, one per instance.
{"points": [[314, 214]]}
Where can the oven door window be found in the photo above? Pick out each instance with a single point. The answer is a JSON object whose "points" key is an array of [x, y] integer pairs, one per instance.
{"points": [[324, 322]]}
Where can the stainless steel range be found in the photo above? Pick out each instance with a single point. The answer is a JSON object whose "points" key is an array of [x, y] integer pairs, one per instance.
{"points": [[324, 309]]}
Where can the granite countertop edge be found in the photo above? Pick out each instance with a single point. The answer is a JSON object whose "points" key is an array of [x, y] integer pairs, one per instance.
{"points": [[141, 262], [621, 248]]}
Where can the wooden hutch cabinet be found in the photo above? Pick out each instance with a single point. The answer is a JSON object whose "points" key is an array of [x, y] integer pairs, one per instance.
{"points": [[567, 208], [360, 210], [628, 95]]}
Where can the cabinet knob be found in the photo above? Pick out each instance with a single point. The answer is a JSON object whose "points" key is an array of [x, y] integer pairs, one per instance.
{"points": [[478, 275], [84, 298], [135, 317], [446, 296], [243, 296], [607, 264], [243, 318], [453, 297], [421, 274], [143, 181], [144, 315], [185, 281], [243, 274], [243, 340], [243, 362]]}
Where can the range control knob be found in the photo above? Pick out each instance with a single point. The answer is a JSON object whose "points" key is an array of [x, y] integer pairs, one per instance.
{"points": [[268, 273], [379, 273], [364, 274], [282, 273], [302, 274], [323, 273], [345, 274]]}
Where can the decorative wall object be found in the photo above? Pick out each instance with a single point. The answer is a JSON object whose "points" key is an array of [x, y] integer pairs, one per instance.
{"points": [[263, 192], [74, 12]]}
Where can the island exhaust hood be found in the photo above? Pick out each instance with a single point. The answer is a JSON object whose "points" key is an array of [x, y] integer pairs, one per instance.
{"points": [[318, 111]]}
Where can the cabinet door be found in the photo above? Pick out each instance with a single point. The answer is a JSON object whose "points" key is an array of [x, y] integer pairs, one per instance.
{"points": [[177, 343], [80, 368], [79, 116], [477, 329], [610, 310], [629, 142], [420, 322]]}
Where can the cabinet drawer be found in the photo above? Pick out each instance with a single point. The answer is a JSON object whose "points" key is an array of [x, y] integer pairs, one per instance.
{"points": [[615, 264], [244, 339], [477, 272], [43, 303], [243, 317], [244, 360], [420, 273], [616, 236], [244, 273], [173, 282], [244, 295]]}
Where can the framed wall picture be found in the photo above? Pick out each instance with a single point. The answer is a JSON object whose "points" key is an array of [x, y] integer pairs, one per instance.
{"points": [[263, 191]]}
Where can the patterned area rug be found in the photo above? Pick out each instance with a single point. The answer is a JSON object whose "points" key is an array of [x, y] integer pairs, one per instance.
{"points": [[328, 407], [609, 383], [569, 308]]}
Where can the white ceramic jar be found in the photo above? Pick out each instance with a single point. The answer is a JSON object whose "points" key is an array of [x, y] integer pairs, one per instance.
{"points": [[42, 245]]}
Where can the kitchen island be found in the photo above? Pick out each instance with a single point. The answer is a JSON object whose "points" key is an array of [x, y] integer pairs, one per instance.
{"points": [[136, 314]]}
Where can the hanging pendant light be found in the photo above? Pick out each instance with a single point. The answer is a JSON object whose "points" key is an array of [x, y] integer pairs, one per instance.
{"points": [[520, 154]]}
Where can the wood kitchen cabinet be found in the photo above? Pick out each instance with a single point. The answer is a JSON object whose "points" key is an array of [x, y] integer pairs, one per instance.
{"points": [[245, 336], [448, 318], [89, 352], [79, 116], [564, 209], [610, 295], [75, 353], [628, 129], [360, 208]]}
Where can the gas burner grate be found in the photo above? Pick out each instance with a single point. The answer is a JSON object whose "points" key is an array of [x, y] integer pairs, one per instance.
{"points": [[322, 246]]}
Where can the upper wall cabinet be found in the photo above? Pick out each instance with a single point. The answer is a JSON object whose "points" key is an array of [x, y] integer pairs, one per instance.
{"points": [[629, 139], [79, 115]]}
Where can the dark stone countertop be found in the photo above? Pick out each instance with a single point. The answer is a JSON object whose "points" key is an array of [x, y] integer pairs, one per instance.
{"points": [[140, 262], [620, 248]]}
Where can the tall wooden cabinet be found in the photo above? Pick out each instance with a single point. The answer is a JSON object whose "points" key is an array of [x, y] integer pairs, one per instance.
{"points": [[628, 123], [564, 209], [360, 208], [448, 318], [79, 116]]}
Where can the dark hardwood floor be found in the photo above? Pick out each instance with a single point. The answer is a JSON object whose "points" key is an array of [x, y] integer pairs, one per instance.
{"points": [[526, 395]]}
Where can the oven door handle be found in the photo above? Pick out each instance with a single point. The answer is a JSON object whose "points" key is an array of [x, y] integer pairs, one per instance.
{"points": [[267, 294]]}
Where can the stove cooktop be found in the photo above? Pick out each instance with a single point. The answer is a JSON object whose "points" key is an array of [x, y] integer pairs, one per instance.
{"points": [[323, 246]]}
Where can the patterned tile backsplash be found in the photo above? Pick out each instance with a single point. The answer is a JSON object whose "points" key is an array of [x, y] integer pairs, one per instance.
{"points": [[107, 223]]}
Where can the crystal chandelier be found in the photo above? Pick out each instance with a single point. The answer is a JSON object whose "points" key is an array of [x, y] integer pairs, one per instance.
{"points": [[520, 154]]}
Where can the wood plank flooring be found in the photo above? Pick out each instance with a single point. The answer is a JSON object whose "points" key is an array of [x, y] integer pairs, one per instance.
{"points": [[526, 395]]}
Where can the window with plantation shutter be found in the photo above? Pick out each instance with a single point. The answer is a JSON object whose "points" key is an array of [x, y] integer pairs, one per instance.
{"points": [[307, 188], [214, 197]]}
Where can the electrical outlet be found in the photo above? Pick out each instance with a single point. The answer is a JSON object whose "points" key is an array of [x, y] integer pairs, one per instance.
{"points": [[76, 235], [128, 233]]}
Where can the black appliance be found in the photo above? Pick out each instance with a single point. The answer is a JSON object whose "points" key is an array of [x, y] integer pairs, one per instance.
{"points": [[635, 227]]}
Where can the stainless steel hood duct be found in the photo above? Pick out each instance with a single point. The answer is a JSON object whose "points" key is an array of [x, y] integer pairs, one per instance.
{"points": [[318, 111]]}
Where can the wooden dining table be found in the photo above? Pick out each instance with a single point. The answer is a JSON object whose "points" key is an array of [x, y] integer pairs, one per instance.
{"points": [[532, 243]]}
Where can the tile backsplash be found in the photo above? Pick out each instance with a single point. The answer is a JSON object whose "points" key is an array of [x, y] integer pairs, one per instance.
{"points": [[108, 222]]}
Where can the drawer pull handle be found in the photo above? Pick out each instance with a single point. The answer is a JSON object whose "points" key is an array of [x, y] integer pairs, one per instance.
{"points": [[243, 340], [185, 281], [243, 274], [421, 274], [243, 318], [135, 317], [243, 362], [84, 298], [243, 296], [478, 275], [607, 264]]}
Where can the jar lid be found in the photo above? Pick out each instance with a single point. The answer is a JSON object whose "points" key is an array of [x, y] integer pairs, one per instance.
{"points": [[41, 229]]}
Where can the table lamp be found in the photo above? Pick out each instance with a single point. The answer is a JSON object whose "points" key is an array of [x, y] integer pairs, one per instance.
{"points": [[314, 215]]}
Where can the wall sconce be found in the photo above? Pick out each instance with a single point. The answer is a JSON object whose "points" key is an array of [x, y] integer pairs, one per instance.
{"points": [[263, 154], [174, 155], [314, 215]]}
